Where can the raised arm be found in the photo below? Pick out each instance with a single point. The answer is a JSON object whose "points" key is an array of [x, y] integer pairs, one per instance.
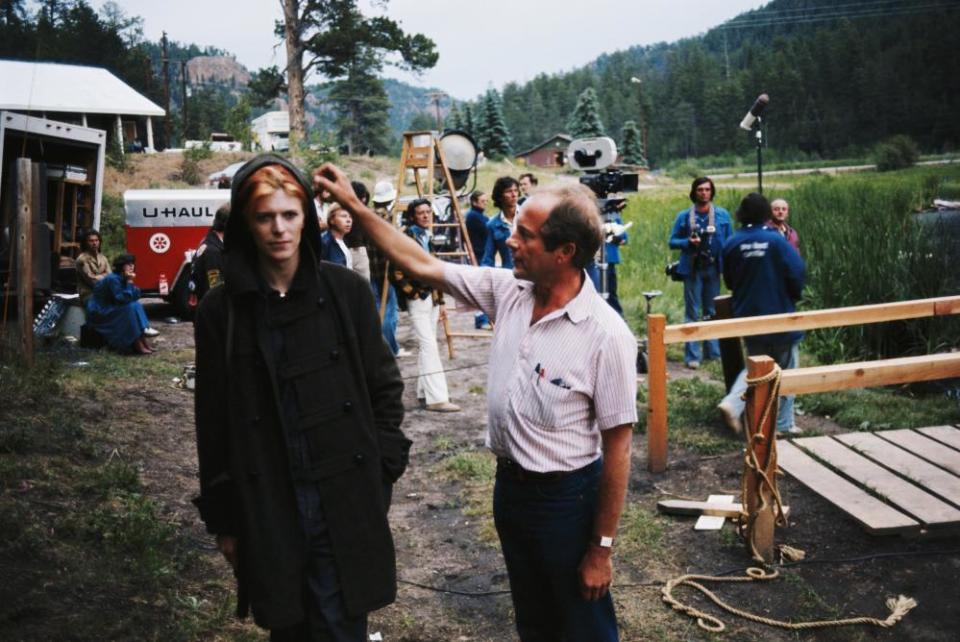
{"points": [[402, 251]]}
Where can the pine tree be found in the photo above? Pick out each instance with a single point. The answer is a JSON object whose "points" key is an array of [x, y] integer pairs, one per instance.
{"points": [[632, 145], [456, 118], [585, 120], [469, 123], [496, 138]]}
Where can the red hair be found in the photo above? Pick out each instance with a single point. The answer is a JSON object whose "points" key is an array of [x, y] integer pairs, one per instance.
{"points": [[269, 179]]}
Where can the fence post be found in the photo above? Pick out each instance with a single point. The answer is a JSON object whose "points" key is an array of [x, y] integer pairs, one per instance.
{"points": [[731, 350], [24, 249], [759, 498], [656, 394]]}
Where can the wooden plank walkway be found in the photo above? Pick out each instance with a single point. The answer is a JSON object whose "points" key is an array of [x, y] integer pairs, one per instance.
{"points": [[897, 481]]}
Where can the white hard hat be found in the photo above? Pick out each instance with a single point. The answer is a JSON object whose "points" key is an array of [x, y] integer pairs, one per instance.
{"points": [[384, 192]]}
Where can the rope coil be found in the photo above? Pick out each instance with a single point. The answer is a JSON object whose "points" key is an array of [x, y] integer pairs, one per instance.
{"points": [[898, 606]]}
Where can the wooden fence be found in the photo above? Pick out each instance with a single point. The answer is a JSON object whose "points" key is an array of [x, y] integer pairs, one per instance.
{"points": [[800, 380]]}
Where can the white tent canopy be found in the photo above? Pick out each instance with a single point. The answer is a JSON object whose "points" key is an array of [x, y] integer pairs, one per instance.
{"points": [[49, 87], [52, 87]]}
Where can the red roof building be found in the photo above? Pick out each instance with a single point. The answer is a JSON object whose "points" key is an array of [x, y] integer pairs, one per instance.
{"points": [[550, 153]]}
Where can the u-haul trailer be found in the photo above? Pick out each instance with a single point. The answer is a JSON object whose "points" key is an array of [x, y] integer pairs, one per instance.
{"points": [[164, 227]]}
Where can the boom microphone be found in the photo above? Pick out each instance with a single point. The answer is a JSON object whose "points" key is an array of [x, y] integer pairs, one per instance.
{"points": [[758, 106]]}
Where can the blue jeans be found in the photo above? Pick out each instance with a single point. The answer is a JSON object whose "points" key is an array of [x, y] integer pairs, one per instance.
{"points": [[389, 326], [699, 289], [787, 356], [545, 529]]}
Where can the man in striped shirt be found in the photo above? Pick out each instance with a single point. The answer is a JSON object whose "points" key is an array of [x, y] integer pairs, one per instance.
{"points": [[561, 404]]}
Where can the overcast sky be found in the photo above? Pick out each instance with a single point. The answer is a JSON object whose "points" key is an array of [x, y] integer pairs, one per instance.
{"points": [[482, 43]]}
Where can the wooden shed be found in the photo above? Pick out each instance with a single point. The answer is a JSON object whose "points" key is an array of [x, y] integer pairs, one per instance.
{"points": [[550, 153]]}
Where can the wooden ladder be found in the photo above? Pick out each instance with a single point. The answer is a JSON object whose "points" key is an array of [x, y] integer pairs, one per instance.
{"points": [[421, 151]]}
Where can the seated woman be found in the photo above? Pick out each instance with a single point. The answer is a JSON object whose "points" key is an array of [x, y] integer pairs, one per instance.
{"points": [[114, 310]]}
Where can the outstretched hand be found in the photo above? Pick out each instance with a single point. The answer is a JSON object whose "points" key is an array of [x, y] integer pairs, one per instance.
{"points": [[329, 181]]}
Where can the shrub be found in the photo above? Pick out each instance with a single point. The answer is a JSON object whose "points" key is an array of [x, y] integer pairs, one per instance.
{"points": [[897, 152]]}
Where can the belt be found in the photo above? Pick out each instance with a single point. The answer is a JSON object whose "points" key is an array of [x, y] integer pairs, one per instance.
{"points": [[512, 470]]}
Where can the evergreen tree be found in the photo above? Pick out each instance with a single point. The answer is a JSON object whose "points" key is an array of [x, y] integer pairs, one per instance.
{"points": [[585, 120], [469, 122], [238, 123], [632, 145], [362, 108], [496, 138], [456, 118]]}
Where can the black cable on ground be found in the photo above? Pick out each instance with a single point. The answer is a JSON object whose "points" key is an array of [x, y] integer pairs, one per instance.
{"points": [[843, 560]]}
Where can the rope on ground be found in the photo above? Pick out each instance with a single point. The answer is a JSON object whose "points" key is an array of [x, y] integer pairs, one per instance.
{"points": [[898, 606], [751, 462], [466, 367]]}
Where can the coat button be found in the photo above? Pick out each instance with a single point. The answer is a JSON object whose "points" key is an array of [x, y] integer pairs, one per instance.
{"points": [[320, 301], [347, 406], [334, 354], [358, 458], [255, 419]]}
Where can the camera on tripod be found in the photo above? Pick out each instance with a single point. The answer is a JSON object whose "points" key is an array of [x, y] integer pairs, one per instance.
{"points": [[594, 156]]}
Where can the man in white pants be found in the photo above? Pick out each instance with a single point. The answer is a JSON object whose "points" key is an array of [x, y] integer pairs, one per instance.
{"points": [[423, 306]]}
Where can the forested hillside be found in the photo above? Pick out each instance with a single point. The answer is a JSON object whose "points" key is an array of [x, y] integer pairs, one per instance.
{"points": [[840, 76]]}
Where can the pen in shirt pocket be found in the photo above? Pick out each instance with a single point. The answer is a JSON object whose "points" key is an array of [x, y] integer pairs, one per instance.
{"points": [[561, 383], [540, 372]]}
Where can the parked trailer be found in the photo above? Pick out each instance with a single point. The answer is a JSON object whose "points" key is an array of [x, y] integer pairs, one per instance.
{"points": [[164, 228]]}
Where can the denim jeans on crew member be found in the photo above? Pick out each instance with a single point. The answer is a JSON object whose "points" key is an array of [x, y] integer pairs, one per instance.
{"points": [[545, 529], [787, 356], [699, 289]]}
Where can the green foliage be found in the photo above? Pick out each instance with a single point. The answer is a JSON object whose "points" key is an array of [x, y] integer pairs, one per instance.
{"points": [[361, 105], [470, 466], [455, 118], [631, 145], [422, 121], [492, 134], [190, 165], [112, 219], [469, 123], [863, 244], [116, 158], [238, 123], [693, 417], [897, 152], [870, 410], [265, 86], [585, 120]]}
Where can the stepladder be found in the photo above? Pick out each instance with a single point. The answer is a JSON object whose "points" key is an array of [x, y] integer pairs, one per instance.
{"points": [[422, 154]]}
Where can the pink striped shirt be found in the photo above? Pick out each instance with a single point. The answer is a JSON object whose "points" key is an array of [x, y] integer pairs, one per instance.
{"points": [[554, 385]]}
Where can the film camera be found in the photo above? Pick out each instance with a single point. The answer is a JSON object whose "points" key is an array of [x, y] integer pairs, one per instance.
{"points": [[594, 156]]}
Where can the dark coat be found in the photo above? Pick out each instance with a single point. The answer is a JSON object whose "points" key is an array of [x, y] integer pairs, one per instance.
{"points": [[349, 392], [206, 270]]}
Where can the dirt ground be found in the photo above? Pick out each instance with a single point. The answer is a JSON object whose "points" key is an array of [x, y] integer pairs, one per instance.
{"points": [[453, 582]]}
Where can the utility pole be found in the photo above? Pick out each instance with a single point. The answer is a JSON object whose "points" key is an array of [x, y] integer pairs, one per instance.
{"points": [[166, 91], [183, 94], [436, 96]]}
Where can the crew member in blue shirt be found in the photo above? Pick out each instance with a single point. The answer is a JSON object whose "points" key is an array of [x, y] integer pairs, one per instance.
{"points": [[700, 233], [765, 275], [476, 221], [506, 192]]}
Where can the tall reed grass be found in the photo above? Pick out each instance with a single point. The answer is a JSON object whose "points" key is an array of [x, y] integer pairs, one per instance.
{"points": [[862, 243]]}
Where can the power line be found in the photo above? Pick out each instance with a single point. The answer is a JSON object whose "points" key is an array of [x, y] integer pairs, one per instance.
{"points": [[830, 15]]}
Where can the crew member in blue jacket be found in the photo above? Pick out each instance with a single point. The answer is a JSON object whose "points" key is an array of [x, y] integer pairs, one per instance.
{"points": [[700, 233], [766, 275], [476, 221], [114, 309], [506, 191]]}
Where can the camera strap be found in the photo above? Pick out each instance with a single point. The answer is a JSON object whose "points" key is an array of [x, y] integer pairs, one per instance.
{"points": [[692, 218]]}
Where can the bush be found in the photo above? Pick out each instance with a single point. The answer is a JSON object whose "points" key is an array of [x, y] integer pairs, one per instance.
{"points": [[897, 152], [115, 156]]}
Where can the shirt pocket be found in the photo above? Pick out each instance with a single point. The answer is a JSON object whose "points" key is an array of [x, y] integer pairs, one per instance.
{"points": [[545, 404]]}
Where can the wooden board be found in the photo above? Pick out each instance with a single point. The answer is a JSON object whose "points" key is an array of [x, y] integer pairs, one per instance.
{"points": [[907, 497], [866, 374], [944, 434], [923, 446], [715, 522], [933, 479], [876, 517]]}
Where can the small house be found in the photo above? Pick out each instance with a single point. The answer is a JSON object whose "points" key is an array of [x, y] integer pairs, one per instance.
{"points": [[550, 153]]}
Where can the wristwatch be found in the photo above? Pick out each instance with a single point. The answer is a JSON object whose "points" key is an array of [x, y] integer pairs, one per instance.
{"points": [[603, 541]]}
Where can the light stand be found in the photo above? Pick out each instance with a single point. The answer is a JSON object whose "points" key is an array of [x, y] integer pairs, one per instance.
{"points": [[759, 136], [754, 117]]}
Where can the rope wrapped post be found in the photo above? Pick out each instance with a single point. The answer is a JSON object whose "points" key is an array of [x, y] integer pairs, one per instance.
{"points": [[656, 394], [760, 497]]}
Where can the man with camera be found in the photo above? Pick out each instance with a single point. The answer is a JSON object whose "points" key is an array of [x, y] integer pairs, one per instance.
{"points": [[700, 233], [561, 402]]}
